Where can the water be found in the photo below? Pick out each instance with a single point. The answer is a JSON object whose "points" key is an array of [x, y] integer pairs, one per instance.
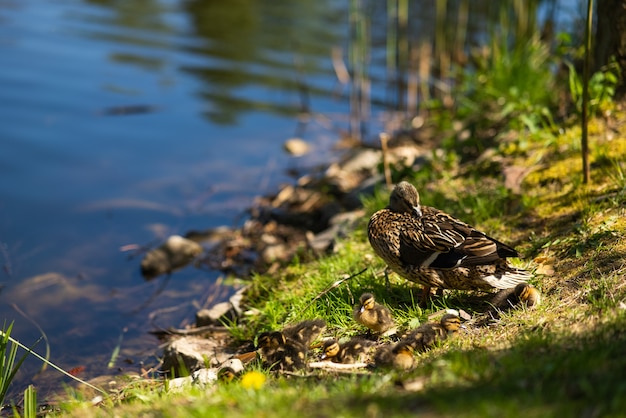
{"points": [[210, 96], [122, 122]]}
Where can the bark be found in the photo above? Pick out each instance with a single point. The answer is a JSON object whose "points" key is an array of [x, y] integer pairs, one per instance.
{"points": [[610, 37]]}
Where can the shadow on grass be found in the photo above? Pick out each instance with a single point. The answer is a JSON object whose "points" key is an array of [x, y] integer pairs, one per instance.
{"points": [[541, 375]]}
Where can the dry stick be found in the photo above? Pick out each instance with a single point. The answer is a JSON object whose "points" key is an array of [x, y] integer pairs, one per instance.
{"points": [[54, 366], [331, 287]]}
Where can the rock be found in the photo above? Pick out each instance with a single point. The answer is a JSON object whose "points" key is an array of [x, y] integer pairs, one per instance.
{"points": [[202, 377], [193, 352], [175, 253], [340, 226], [222, 312], [216, 315], [296, 147]]}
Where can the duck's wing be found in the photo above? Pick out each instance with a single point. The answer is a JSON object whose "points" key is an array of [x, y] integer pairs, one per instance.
{"points": [[438, 240]]}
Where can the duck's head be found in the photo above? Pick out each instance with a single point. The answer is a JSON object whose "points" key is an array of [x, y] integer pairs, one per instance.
{"points": [[367, 302], [451, 323], [527, 294], [330, 349], [405, 199]]}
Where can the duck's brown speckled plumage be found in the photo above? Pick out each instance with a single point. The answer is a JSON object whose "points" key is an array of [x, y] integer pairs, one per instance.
{"points": [[432, 248]]}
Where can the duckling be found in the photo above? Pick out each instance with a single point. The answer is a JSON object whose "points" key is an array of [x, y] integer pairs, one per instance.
{"points": [[528, 295], [229, 370], [226, 374], [305, 332], [399, 356], [279, 353], [522, 294], [427, 335], [427, 246], [373, 315], [352, 351], [270, 341]]}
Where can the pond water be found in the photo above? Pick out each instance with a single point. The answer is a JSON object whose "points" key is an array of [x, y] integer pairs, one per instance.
{"points": [[122, 122]]}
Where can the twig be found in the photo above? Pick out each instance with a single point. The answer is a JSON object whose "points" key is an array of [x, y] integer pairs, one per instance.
{"points": [[329, 365]]}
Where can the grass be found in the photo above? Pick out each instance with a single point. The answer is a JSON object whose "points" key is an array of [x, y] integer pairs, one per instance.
{"points": [[563, 358]]}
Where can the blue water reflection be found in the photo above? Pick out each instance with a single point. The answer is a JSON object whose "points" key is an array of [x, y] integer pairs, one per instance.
{"points": [[211, 94]]}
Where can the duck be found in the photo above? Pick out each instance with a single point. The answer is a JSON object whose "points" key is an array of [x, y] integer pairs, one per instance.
{"points": [[436, 250], [429, 334], [399, 356], [352, 351], [373, 315]]}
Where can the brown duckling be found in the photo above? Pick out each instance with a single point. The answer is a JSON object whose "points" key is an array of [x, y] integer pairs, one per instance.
{"points": [[373, 315], [528, 295], [352, 351], [279, 353], [305, 332], [522, 294], [427, 335], [398, 356], [287, 349], [230, 370]]}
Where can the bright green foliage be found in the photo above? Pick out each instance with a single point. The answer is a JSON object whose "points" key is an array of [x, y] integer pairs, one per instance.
{"points": [[8, 358], [602, 87], [512, 88], [30, 402]]}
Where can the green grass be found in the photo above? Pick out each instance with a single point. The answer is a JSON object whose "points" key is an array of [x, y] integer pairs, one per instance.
{"points": [[9, 362], [564, 358]]}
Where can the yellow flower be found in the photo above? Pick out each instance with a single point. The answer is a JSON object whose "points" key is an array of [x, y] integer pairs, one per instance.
{"points": [[253, 380]]}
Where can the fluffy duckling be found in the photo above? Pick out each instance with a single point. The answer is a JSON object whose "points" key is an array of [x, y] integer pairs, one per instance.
{"points": [[373, 315], [287, 349], [305, 332], [226, 374], [427, 246], [528, 295], [398, 356], [522, 294], [229, 370], [352, 351], [279, 353], [427, 335]]}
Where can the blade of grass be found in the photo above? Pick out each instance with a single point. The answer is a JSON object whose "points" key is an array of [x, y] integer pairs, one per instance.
{"points": [[7, 337]]}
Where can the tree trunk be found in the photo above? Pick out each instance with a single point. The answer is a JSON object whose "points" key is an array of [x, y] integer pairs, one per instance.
{"points": [[611, 38]]}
